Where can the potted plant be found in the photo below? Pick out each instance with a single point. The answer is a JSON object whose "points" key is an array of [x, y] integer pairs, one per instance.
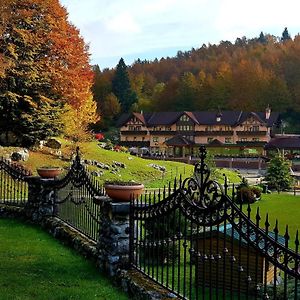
{"points": [[48, 171], [123, 191]]}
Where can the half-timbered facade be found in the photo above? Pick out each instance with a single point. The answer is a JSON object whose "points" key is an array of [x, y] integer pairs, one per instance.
{"points": [[181, 133]]}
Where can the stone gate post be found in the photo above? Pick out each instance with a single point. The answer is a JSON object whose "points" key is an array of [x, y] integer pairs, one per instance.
{"points": [[113, 243], [41, 198]]}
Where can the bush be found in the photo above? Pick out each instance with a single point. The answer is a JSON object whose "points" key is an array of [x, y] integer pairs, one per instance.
{"points": [[246, 193], [257, 191]]}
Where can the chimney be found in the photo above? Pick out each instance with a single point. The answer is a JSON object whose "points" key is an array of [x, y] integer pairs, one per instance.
{"points": [[268, 112]]}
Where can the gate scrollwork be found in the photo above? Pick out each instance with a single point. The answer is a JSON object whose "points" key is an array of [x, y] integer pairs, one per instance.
{"points": [[204, 200]]}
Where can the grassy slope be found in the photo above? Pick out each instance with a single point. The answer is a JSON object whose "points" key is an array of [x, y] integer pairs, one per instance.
{"points": [[35, 266], [138, 169], [283, 207]]}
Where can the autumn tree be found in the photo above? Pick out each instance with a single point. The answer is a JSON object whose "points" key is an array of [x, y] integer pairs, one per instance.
{"points": [[121, 87], [47, 67], [186, 93]]}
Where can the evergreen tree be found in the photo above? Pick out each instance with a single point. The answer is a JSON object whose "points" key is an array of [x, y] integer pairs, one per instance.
{"points": [[285, 35], [262, 39], [278, 173], [121, 87]]}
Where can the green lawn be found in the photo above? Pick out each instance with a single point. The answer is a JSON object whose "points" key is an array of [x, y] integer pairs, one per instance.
{"points": [[35, 266], [284, 207]]}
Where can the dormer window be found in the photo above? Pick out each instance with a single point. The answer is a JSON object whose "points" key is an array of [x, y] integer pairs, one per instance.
{"points": [[184, 118]]}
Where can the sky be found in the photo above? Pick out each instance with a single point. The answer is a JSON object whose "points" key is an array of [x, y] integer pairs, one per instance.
{"points": [[149, 29]]}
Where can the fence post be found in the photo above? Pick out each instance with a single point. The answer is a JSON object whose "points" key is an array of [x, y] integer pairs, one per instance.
{"points": [[113, 243], [41, 198]]}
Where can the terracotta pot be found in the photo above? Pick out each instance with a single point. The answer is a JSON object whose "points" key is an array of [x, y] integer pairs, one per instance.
{"points": [[49, 172], [123, 193]]}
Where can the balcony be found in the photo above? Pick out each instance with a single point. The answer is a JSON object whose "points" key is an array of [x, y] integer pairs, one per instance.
{"points": [[162, 132], [135, 143], [133, 132], [214, 133], [251, 133]]}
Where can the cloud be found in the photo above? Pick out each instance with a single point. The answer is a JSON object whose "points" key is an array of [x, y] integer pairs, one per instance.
{"points": [[123, 23], [116, 28]]}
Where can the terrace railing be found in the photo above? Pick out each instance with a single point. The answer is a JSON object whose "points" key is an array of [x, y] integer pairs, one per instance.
{"points": [[13, 184], [199, 244]]}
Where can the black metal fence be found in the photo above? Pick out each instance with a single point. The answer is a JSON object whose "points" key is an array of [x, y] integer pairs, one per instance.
{"points": [[75, 197], [199, 244], [13, 184]]}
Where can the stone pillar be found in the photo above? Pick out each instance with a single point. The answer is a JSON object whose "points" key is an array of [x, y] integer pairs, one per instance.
{"points": [[41, 197], [113, 243]]}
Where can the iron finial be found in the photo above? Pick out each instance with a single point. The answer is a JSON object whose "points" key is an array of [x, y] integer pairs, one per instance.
{"points": [[77, 154], [203, 152]]}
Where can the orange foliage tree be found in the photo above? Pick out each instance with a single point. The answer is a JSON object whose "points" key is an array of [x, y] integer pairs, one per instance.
{"points": [[45, 65]]}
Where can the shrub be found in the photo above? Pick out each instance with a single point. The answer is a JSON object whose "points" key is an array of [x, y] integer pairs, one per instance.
{"points": [[246, 193], [257, 191]]}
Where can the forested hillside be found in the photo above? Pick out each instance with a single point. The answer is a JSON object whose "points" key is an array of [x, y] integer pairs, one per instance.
{"points": [[248, 75]]}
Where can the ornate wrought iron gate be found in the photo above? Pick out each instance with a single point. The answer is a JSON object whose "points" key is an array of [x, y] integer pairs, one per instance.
{"points": [[199, 244], [13, 185], [74, 198]]}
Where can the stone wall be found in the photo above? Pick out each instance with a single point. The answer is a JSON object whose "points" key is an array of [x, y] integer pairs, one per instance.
{"points": [[110, 253]]}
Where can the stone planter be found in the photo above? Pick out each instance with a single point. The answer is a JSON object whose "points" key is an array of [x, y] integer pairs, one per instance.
{"points": [[123, 191], [49, 172]]}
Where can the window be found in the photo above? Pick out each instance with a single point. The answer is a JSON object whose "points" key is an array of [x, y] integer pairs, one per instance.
{"points": [[134, 138], [227, 128], [255, 139], [126, 138], [255, 128], [184, 118], [210, 139], [168, 128], [228, 140], [209, 128], [243, 139], [131, 128], [190, 138], [143, 138], [155, 139], [138, 128]]}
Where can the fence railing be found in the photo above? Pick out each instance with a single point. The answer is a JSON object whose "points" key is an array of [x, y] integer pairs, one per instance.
{"points": [[13, 184], [199, 244], [74, 199], [190, 237]]}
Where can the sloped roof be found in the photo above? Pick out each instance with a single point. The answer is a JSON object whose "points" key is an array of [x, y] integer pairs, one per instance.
{"points": [[231, 118], [178, 140], [216, 142], [124, 118], [164, 118], [228, 230], [284, 142], [210, 117]]}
